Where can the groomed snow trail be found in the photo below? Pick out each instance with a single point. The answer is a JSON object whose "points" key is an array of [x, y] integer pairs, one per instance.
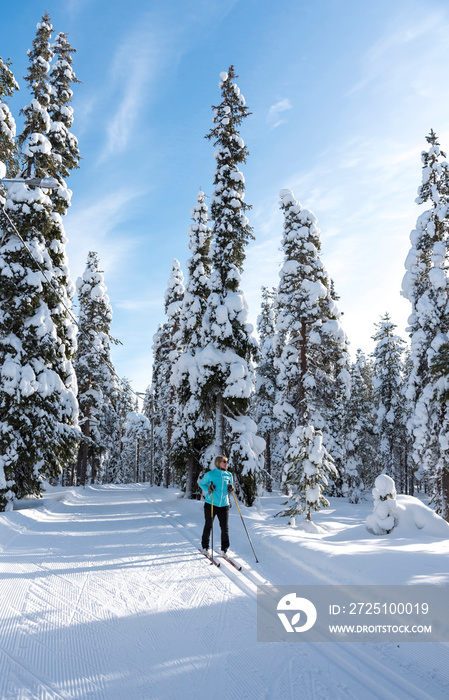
{"points": [[105, 596]]}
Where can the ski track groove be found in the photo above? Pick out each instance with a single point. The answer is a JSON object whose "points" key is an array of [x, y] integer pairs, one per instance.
{"points": [[42, 653], [31, 679], [342, 657], [413, 693], [37, 603], [242, 681]]}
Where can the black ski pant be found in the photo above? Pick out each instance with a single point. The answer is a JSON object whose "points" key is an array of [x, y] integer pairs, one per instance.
{"points": [[222, 514]]}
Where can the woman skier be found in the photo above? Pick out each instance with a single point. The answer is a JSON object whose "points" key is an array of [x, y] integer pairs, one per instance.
{"points": [[217, 484]]}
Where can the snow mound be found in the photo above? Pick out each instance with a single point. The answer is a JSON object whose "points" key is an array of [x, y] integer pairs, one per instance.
{"points": [[414, 515], [409, 515], [383, 519], [310, 527]]}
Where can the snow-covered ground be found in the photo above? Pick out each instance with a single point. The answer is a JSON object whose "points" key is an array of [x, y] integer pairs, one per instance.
{"points": [[104, 595]]}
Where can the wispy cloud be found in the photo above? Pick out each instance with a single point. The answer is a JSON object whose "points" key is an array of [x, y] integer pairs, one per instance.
{"points": [[139, 60], [404, 42], [94, 226], [274, 118]]}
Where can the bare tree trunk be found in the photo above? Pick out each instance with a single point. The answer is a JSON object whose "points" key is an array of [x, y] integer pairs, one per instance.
{"points": [[268, 462], [445, 494], [189, 477], [219, 424], [82, 461]]}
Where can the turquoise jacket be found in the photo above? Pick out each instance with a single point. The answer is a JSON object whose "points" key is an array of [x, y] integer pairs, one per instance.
{"points": [[221, 479]]}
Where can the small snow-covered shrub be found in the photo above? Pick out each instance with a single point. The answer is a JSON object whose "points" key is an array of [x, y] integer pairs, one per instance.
{"points": [[382, 520]]}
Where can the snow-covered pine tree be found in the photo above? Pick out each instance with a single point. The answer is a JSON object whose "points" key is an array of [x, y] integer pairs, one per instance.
{"points": [[64, 143], [406, 481], [166, 351], [117, 469], [440, 372], [38, 405], [265, 390], [198, 273], [227, 373], [334, 406], [194, 422], [358, 425], [8, 147], [310, 466], [7, 166], [161, 390], [97, 385], [440, 369], [148, 440], [426, 286], [39, 160], [388, 399], [173, 305], [136, 432], [311, 348]]}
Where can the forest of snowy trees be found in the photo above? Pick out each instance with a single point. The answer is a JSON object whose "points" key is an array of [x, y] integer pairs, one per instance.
{"points": [[291, 408]]}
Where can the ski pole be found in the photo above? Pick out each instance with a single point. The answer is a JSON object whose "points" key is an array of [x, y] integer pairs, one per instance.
{"points": [[212, 517], [246, 529]]}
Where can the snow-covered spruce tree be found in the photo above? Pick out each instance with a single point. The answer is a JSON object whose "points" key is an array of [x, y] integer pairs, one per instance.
{"points": [[358, 425], [118, 471], [311, 348], [440, 369], [225, 364], [7, 166], [136, 432], [388, 399], [161, 390], [39, 160], [8, 147], [173, 305], [265, 391], [194, 421], [64, 143], [406, 481], [440, 374], [38, 405], [97, 385], [310, 466], [426, 286], [334, 407], [147, 452], [166, 351]]}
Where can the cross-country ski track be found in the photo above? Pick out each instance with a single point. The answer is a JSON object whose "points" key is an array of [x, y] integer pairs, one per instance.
{"points": [[104, 595]]}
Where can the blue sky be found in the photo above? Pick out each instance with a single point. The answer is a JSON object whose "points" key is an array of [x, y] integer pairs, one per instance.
{"points": [[342, 95]]}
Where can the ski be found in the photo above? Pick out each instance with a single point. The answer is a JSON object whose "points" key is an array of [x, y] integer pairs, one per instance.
{"points": [[211, 559], [236, 566]]}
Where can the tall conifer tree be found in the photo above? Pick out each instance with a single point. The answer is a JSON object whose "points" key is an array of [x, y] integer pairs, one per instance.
{"points": [[167, 349], [388, 399], [426, 286], [97, 386], [311, 358], [358, 424], [8, 147], [38, 405], [194, 425], [8, 165], [265, 391], [227, 371]]}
